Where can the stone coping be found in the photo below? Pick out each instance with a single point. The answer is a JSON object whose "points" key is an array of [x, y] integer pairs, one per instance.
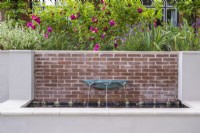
{"points": [[16, 51], [15, 108], [98, 52]]}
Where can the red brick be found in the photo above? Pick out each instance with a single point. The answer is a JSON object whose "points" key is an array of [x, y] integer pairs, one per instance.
{"points": [[119, 63], [92, 55], [141, 59], [170, 59], [78, 55], [141, 74], [134, 77], [57, 59], [141, 66], [51, 85], [174, 55], [148, 70], [155, 74], [162, 55], [64, 55], [64, 63], [112, 66], [153, 77], [120, 70], [148, 77], [42, 59], [149, 63], [134, 55], [102, 70], [120, 55], [127, 59], [64, 70], [78, 70], [135, 70], [50, 77], [113, 59], [94, 70], [155, 59], [155, 67], [57, 66], [162, 70], [71, 59], [170, 66], [106, 55], [162, 63], [49, 63], [99, 59], [148, 55], [49, 55]]}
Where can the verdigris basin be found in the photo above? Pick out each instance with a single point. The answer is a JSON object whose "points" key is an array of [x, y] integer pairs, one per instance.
{"points": [[102, 84]]}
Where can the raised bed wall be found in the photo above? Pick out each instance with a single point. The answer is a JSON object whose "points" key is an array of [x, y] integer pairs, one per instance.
{"points": [[153, 75]]}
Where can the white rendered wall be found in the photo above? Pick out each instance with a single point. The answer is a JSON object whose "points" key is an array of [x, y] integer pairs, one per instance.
{"points": [[1, 128], [100, 124], [16, 75], [180, 61], [4, 63], [21, 75], [189, 76]]}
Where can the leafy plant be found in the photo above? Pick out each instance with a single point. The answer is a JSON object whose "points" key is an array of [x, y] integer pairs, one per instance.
{"points": [[88, 23], [16, 36], [97, 25], [167, 38], [190, 9], [15, 9]]}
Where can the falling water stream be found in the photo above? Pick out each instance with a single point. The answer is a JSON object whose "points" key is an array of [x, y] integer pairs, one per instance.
{"points": [[88, 100], [106, 84], [88, 97]]}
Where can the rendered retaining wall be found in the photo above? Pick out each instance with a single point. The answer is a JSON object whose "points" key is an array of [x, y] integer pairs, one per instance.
{"points": [[189, 76], [94, 122], [16, 75], [4, 64], [153, 75]]}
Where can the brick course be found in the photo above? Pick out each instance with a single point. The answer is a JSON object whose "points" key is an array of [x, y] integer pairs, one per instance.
{"points": [[153, 76]]}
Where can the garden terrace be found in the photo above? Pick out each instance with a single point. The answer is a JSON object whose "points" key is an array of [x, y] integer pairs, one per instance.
{"points": [[19, 87]]}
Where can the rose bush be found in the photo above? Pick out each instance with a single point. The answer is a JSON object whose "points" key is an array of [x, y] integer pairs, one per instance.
{"points": [[88, 23]]}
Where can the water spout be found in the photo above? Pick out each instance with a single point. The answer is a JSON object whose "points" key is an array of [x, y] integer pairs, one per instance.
{"points": [[105, 84]]}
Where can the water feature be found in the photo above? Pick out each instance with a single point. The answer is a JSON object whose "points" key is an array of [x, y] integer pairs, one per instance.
{"points": [[106, 84], [36, 104]]}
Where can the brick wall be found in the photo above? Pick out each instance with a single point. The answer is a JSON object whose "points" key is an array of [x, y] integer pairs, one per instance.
{"points": [[153, 76]]}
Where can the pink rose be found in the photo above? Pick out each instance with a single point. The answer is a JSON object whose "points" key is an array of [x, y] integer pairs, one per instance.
{"points": [[139, 10], [112, 22], [96, 47]]}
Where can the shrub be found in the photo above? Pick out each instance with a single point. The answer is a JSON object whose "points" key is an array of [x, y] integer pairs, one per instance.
{"points": [[166, 38], [88, 23], [16, 36], [105, 25]]}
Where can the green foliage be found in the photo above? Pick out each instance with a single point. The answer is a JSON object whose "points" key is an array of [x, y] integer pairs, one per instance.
{"points": [[188, 6], [123, 12], [190, 9], [166, 38], [15, 9], [80, 25], [16, 36]]}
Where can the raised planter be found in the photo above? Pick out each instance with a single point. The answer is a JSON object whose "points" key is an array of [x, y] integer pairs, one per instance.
{"points": [[15, 118]]}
